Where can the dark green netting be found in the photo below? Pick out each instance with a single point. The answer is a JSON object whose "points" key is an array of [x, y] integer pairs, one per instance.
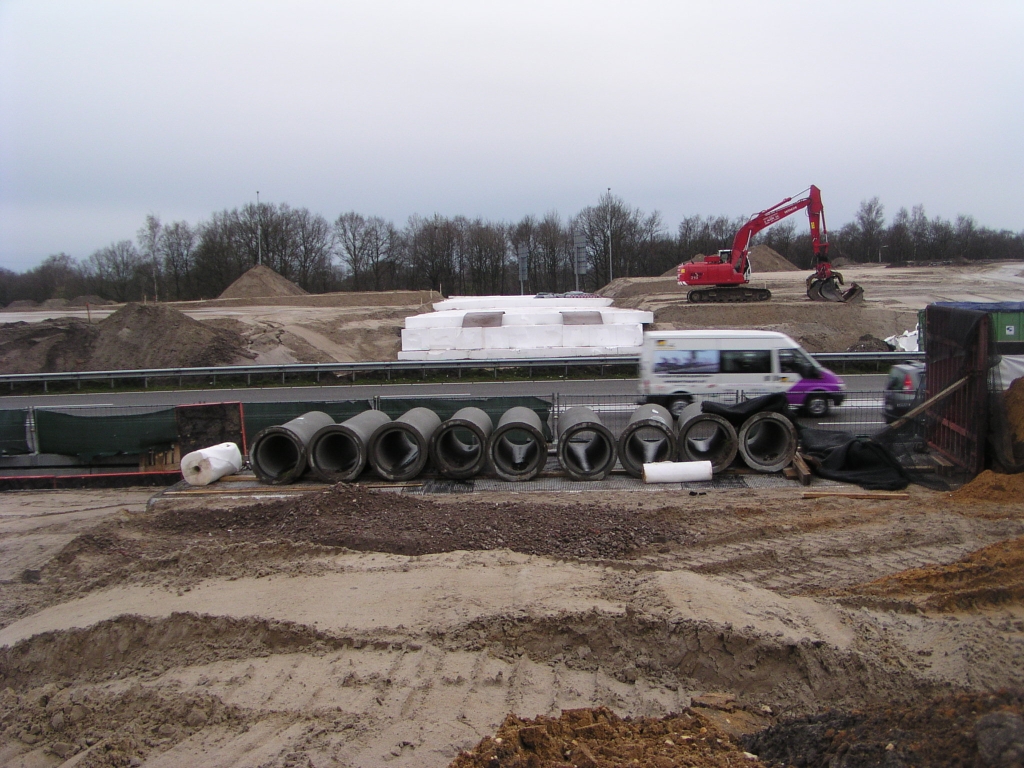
{"points": [[259, 416], [446, 407], [106, 434], [12, 432]]}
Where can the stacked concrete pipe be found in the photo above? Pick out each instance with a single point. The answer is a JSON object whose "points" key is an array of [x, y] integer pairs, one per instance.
{"points": [[338, 453], [399, 450], [517, 449], [586, 447], [767, 441], [458, 448], [706, 437], [648, 437], [278, 454]]}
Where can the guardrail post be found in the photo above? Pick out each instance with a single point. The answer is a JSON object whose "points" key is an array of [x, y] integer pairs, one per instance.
{"points": [[31, 431]]}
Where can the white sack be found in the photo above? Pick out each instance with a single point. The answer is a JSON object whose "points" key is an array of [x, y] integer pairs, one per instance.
{"points": [[207, 465], [677, 471]]}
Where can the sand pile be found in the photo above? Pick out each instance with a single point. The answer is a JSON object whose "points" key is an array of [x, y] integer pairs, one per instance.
{"points": [[764, 259], [90, 299], [22, 304], [993, 575], [260, 282], [869, 343], [157, 336], [991, 486], [54, 304], [599, 739], [136, 336]]}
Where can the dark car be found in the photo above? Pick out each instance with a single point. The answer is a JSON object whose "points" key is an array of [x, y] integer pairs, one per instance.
{"points": [[904, 390]]}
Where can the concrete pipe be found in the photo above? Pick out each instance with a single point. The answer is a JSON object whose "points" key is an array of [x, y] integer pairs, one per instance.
{"points": [[706, 437], [586, 447], [517, 449], [399, 449], [338, 453], [278, 454], [649, 437], [458, 448], [767, 441]]}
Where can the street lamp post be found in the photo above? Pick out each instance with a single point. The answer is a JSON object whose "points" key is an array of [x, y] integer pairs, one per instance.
{"points": [[880, 252], [609, 234]]}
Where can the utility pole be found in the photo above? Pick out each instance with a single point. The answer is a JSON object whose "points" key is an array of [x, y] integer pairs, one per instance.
{"points": [[259, 230], [609, 234]]}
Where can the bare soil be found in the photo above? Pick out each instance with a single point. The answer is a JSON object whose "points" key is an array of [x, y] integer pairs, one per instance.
{"points": [[261, 281], [136, 336], [370, 627]]}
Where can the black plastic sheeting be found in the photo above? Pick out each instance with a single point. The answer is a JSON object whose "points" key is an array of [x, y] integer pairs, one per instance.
{"points": [[848, 459]]}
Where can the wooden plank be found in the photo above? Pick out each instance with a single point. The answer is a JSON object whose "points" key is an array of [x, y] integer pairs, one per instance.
{"points": [[802, 470], [883, 495], [925, 405]]}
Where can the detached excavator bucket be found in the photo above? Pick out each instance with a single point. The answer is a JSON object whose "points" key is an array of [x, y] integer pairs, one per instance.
{"points": [[830, 290]]}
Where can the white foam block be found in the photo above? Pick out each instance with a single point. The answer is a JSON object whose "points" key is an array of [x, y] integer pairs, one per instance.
{"points": [[207, 465]]}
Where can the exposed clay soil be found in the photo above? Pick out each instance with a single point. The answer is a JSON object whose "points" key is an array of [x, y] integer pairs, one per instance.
{"points": [[992, 486], [261, 281], [136, 336], [366, 627]]}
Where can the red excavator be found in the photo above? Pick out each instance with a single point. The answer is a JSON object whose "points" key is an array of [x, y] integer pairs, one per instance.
{"points": [[728, 273]]}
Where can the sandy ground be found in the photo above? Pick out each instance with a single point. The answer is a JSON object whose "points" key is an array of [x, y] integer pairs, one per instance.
{"points": [[123, 638], [346, 327]]}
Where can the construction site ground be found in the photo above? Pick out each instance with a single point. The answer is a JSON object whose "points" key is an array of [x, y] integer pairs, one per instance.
{"points": [[347, 327], [361, 625]]}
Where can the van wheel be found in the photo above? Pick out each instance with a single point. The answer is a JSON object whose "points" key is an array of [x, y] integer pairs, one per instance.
{"points": [[677, 405], [816, 405]]}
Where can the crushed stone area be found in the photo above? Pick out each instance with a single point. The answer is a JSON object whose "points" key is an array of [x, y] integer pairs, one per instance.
{"points": [[354, 626]]}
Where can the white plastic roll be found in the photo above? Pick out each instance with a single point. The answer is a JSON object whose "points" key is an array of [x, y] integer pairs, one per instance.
{"points": [[677, 471], [207, 465]]}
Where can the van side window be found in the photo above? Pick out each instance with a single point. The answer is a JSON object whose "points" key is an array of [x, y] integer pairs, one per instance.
{"points": [[795, 361], [746, 361]]}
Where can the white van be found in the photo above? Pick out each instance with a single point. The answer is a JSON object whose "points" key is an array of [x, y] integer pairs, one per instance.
{"points": [[677, 366]]}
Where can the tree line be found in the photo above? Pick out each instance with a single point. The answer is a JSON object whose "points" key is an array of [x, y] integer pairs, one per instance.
{"points": [[463, 256]]}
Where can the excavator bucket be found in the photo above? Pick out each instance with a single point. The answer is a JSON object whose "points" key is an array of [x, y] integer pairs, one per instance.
{"points": [[831, 290]]}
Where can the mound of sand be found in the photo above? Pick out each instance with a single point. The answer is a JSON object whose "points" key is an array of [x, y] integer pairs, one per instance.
{"points": [[993, 575], [91, 300], [22, 304], [869, 343], [259, 282], [157, 336], [54, 304], [136, 336], [991, 486], [764, 259]]}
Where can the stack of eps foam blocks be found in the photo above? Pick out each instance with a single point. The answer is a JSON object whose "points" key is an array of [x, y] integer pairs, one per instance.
{"points": [[510, 327]]}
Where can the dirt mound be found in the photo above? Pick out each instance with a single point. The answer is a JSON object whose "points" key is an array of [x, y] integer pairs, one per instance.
{"points": [[765, 259], [356, 518], [599, 739], [261, 281], [993, 575], [1014, 401], [136, 336], [157, 336], [968, 729], [21, 304], [990, 486], [90, 299], [869, 343], [54, 304]]}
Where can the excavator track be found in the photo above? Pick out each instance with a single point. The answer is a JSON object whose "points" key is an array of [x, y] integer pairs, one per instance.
{"points": [[728, 295]]}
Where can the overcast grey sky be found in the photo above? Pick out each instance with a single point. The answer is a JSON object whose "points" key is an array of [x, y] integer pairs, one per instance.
{"points": [[113, 109]]}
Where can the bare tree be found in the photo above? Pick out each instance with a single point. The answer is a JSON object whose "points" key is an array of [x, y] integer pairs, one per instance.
{"points": [[117, 268], [148, 238], [177, 244]]}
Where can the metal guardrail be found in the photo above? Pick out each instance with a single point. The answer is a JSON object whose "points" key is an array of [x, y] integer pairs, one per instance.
{"points": [[403, 367]]}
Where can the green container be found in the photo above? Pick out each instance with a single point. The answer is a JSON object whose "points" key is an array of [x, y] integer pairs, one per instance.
{"points": [[1008, 326]]}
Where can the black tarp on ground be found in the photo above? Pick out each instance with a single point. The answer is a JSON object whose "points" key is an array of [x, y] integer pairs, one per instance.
{"points": [[845, 458]]}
